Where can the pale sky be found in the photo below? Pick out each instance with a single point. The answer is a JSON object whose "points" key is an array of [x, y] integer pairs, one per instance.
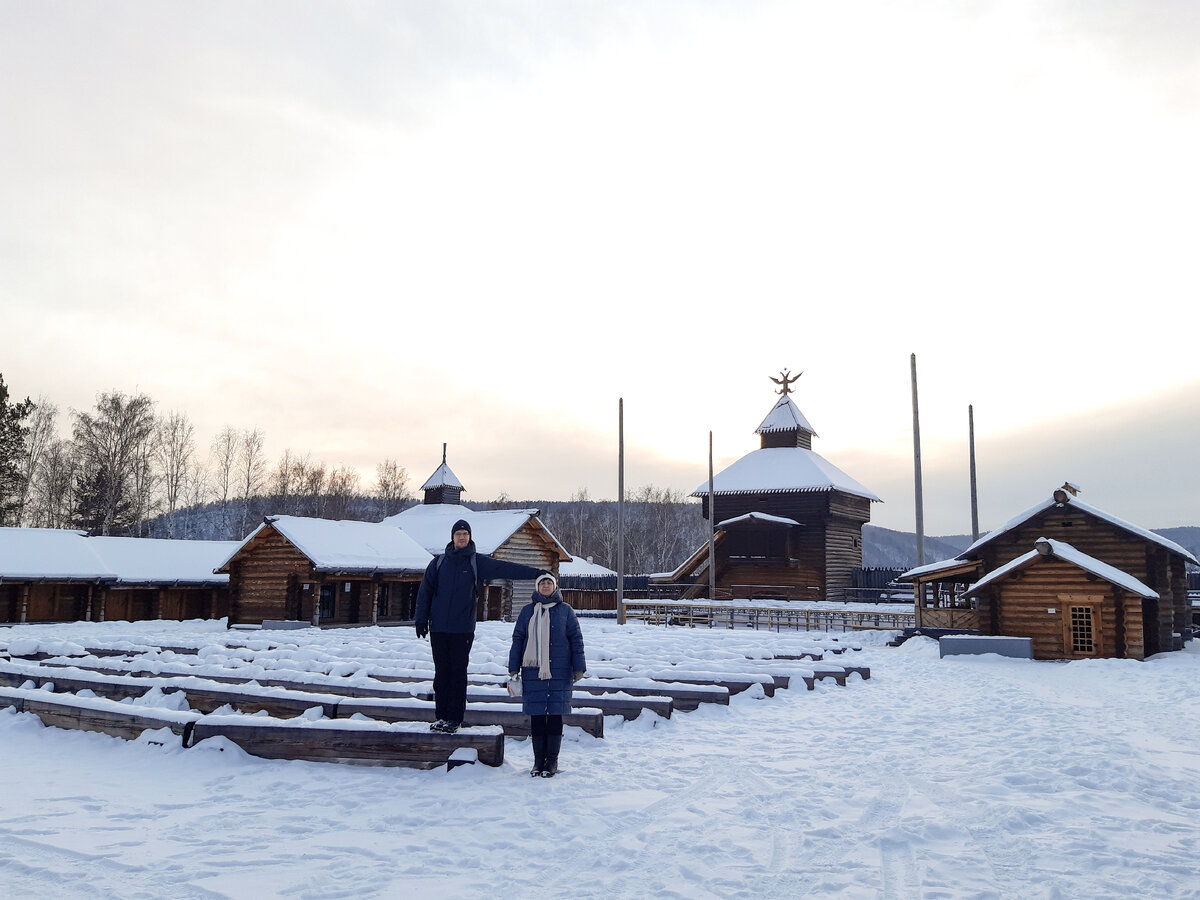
{"points": [[371, 228]]}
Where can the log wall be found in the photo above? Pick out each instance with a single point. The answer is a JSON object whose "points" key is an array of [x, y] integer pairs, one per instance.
{"points": [[529, 547], [1146, 561], [1036, 603], [259, 580]]}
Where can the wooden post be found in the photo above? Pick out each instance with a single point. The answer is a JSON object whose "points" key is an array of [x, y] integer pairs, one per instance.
{"points": [[159, 603], [917, 467], [375, 600], [712, 527], [87, 616], [621, 511], [316, 595], [974, 493], [24, 602], [103, 603]]}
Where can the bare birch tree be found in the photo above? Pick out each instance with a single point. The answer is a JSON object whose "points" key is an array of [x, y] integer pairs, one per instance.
{"points": [[53, 497], [112, 443], [391, 486], [224, 461], [174, 450], [252, 469], [343, 483], [42, 425]]}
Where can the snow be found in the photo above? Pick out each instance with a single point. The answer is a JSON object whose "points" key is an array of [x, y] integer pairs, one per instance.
{"points": [[766, 518], [583, 567], [348, 546], [970, 776], [1075, 557], [429, 524], [1019, 520], [443, 477], [50, 554], [785, 416], [154, 561], [782, 469]]}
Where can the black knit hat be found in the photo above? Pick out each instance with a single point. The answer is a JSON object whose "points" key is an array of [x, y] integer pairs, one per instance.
{"points": [[461, 525]]}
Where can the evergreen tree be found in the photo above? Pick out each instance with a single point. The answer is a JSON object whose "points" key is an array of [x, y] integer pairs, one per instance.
{"points": [[12, 454], [102, 502]]}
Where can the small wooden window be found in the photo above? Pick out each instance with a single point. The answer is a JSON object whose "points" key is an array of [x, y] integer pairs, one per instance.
{"points": [[327, 601], [1082, 630], [1083, 633]]}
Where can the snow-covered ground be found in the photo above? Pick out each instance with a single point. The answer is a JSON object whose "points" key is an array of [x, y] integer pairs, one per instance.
{"points": [[963, 777]]}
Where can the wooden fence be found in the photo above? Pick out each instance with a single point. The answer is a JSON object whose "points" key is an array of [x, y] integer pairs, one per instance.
{"points": [[711, 615]]}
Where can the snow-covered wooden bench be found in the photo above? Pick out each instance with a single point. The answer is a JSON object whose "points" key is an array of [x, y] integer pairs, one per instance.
{"points": [[206, 696], [353, 741]]}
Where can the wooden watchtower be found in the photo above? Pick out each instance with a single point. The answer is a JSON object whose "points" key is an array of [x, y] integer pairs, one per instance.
{"points": [[787, 521]]}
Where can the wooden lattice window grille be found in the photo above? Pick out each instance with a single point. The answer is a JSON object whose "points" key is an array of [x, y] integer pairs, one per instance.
{"points": [[1082, 629]]}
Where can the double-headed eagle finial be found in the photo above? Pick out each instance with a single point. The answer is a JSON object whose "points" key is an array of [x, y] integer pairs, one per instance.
{"points": [[786, 379]]}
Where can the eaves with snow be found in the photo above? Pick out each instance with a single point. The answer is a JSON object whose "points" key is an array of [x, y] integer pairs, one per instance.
{"points": [[62, 555], [429, 525], [1062, 500], [1046, 548], [783, 470], [346, 547], [50, 554]]}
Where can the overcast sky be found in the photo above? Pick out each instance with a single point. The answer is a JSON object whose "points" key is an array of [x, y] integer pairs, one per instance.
{"points": [[371, 228]]}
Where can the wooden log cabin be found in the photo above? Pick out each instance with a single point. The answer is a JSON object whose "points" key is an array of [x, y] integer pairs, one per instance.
{"points": [[294, 568], [1078, 581], [516, 535], [788, 523], [59, 575]]}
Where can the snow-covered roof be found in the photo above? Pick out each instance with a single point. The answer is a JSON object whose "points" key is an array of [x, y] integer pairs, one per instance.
{"points": [[342, 546], [1018, 521], [784, 416], [1047, 547], [429, 525], [154, 561], [765, 518], [443, 477], [583, 567], [783, 470], [50, 554], [945, 565]]}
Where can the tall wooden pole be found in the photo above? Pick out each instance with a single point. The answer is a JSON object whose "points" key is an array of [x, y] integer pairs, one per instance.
{"points": [[712, 522], [974, 490], [917, 468], [621, 511]]}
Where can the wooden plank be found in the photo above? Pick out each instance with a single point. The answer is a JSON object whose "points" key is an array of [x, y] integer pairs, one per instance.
{"points": [[628, 708], [325, 742], [288, 704], [69, 711], [683, 697], [346, 742], [511, 719]]}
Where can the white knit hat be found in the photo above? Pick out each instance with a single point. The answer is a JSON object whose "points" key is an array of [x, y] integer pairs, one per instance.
{"points": [[543, 577]]}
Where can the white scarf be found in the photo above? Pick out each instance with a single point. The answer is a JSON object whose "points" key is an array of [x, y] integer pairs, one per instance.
{"points": [[537, 642]]}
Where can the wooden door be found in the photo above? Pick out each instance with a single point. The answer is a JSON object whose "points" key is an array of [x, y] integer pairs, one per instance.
{"points": [[1083, 632]]}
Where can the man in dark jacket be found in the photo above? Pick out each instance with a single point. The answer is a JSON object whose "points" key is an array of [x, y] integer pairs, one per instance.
{"points": [[446, 612]]}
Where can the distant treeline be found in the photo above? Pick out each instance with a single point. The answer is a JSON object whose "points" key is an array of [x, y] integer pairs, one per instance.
{"points": [[125, 469]]}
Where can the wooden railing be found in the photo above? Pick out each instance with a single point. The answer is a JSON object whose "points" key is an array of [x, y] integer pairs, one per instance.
{"points": [[705, 615]]}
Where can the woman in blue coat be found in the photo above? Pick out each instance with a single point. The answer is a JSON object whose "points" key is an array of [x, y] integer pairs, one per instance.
{"points": [[547, 653]]}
